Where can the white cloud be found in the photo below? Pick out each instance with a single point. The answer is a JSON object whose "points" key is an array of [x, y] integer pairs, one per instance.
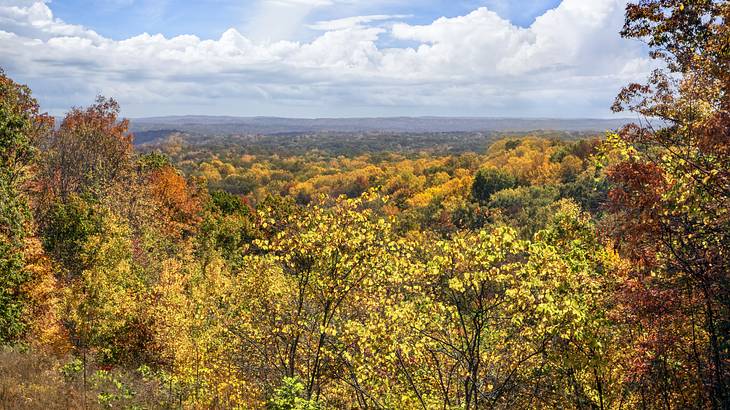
{"points": [[569, 62], [271, 20], [355, 21]]}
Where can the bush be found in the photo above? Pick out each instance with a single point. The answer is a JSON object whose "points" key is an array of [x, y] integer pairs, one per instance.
{"points": [[289, 396]]}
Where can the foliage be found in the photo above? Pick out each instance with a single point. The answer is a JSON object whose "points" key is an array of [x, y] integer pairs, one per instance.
{"points": [[21, 128], [227, 204], [281, 272], [90, 150], [670, 199], [489, 181], [67, 228], [288, 396], [526, 208]]}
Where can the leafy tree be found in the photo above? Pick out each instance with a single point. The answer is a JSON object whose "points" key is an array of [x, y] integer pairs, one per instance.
{"points": [[322, 261], [228, 204], [670, 200], [152, 161], [197, 308], [512, 144], [570, 275], [91, 150], [489, 181], [178, 201], [21, 129], [525, 208], [229, 229], [67, 228], [469, 285], [589, 190], [102, 303]]}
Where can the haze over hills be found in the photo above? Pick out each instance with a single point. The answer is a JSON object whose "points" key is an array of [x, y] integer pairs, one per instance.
{"points": [[225, 125]]}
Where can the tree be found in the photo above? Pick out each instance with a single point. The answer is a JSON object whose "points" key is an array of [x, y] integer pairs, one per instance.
{"points": [[66, 230], [467, 295], [21, 128], [525, 208], [91, 150], [228, 204], [572, 276], [670, 198], [486, 320], [489, 181], [317, 269], [177, 201], [199, 303], [229, 228]]}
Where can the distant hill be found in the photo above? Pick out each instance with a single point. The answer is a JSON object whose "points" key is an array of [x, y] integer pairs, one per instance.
{"points": [[221, 125]]}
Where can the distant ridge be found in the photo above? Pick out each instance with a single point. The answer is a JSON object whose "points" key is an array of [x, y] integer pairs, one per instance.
{"points": [[226, 125]]}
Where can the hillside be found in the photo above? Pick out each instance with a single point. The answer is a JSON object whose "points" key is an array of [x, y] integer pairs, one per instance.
{"points": [[212, 125]]}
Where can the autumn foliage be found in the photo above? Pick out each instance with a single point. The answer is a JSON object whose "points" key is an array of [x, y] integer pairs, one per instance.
{"points": [[540, 272]]}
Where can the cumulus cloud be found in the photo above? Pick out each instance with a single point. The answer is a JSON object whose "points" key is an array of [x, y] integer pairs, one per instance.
{"points": [[569, 62]]}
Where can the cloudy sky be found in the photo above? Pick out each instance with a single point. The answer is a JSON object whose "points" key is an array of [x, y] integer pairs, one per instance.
{"points": [[323, 58]]}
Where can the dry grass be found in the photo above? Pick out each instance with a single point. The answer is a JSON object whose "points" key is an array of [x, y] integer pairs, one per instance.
{"points": [[36, 380]]}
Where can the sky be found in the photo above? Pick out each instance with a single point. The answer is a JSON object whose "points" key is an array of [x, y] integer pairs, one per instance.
{"points": [[323, 58]]}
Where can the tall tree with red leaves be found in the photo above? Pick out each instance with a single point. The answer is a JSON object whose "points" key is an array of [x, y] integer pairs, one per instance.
{"points": [[671, 202]]}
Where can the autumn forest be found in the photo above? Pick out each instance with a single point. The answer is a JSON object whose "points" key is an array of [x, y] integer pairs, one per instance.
{"points": [[540, 270]]}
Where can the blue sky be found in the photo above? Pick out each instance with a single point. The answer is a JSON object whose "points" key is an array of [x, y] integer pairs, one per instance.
{"points": [[119, 19], [323, 58]]}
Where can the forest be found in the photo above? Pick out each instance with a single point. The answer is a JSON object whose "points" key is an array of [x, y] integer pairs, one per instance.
{"points": [[493, 271]]}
